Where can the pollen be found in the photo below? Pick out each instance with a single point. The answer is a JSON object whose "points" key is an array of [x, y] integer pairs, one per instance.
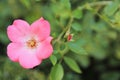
{"points": [[32, 43]]}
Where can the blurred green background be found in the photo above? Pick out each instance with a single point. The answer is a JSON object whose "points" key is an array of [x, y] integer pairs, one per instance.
{"points": [[96, 27]]}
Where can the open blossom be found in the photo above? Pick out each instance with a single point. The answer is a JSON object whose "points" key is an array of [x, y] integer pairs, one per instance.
{"points": [[30, 44]]}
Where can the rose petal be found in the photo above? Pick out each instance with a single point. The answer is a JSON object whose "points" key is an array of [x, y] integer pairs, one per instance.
{"points": [[28, 59], [41, 28], [21, 25], [18, 30], [45, 49], [13, 51]]}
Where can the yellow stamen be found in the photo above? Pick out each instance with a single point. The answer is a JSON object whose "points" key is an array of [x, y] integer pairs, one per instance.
{"points": [[32, 43]]}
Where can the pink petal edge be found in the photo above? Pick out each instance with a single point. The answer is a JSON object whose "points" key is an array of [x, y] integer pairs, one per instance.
{"points": [[29, 59], [13, 51], [18, 30], [41, 28], [45, 49]]}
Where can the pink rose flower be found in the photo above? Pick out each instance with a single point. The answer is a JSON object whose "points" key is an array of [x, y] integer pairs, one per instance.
{"points": [[30, 44]]}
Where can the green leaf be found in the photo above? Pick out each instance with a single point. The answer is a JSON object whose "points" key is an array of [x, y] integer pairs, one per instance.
{"points": [[63, 10], [57, 72], [76, 26], [72, 64], [66, 4], [83, 60], [53, 59], [76, 48], [77, 13], [117, 17], [26, 3], [111, 8]]}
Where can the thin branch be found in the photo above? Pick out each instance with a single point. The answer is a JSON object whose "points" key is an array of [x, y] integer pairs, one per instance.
{"points": [[99, 3], [63, 32]]}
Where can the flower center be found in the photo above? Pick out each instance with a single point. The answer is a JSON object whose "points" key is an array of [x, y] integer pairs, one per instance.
{"points": [[31, 43]]}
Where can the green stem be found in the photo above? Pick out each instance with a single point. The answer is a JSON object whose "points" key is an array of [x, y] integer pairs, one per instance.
{"points": [[63, 53], [60, 36], [70, 22], [99, 3], [68, 27], [105, 19], [64, 31]]}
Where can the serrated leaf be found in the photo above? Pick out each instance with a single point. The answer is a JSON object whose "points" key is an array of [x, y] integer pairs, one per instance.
{"points": [[76, 26], [76, 48], [57, 72], [53, 59], [111, 8], [72, 64], [77, 13]]}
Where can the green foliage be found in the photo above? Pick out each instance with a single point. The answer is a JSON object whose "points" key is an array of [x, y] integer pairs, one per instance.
{"points": [[110, 76], [13, 71], [64, 11], [76, 47], [72, 64], [77, 13], [111, 8], [57, 72], [94, 48], [53, 59], [77, 26], [26, 3]]}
